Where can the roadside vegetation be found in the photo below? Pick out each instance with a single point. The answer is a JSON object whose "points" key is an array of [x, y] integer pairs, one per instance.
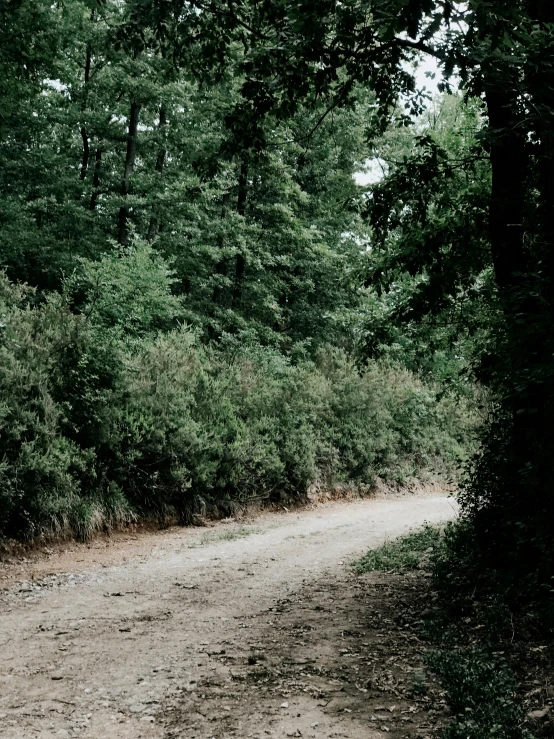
{"points": [[410, 552], [187, 318], [490, 661], [101, 426]]}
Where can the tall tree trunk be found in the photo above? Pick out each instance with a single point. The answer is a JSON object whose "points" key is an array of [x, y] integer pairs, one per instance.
{"points": [[542, 90], [546, 212], [240, 263], [519, 499], [84, 135], [508, 160], [86, 153], [130, 156], [221, 266], [154, 225], [96, 179], [541, 364]]}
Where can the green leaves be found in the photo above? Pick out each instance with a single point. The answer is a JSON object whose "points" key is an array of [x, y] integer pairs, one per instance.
{"points": [[127, 292]]}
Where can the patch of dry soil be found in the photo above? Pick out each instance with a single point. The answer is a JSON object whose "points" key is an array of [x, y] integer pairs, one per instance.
{"points": [[257, 629]]}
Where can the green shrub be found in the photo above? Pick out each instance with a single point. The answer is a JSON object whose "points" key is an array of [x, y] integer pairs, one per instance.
{"points": [[127, 293], [383, 421], [163, 454], [110, 409], [45, 371], [481, 692], [197, 424], [410, 552]]}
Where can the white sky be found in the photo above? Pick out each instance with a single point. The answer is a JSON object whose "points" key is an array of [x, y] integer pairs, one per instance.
{"points": [[374, 169]]}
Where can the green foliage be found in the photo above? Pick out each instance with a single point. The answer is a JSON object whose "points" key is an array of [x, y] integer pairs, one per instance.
{"points": [[481, 692], [469, 637], [112, 134], [99, 424], [254, 425], [462, 224], [410, 552], [428, 219], [44, 467], [178, 190], [126, 292]]}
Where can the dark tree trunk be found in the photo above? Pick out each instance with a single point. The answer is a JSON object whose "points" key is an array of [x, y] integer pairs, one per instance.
{"points": [[84, 135], [508, 162], [221, 266], [542, 90], [86, 153], [154, 225], [130, 156], [96, 179], [519, 511], [546, 212], [240, 263]]}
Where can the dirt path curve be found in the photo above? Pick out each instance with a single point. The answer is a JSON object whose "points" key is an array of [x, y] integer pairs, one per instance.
{"points": [[196, 632]]}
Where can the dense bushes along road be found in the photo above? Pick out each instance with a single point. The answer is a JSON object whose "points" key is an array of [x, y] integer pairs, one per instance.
{"points": [[114, 409]]}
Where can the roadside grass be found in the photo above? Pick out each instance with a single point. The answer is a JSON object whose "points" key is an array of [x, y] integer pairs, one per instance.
{"points": [[473, 659], [228, 535], [410, 552], [481, 689]]}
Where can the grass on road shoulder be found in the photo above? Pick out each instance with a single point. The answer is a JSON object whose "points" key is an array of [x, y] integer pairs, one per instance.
{"points": [[410, 552], [474, 665]]}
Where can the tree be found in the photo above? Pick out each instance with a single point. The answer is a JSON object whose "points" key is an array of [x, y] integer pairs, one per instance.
{"points": [[503, 52], [187, 220], [428, 217]]}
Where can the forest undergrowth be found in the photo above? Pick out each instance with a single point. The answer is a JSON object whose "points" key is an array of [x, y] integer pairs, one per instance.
{"points": [[107, 419], [494, 664]]}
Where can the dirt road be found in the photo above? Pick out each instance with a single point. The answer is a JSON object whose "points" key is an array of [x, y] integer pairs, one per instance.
{"points": [[245, 630]]}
